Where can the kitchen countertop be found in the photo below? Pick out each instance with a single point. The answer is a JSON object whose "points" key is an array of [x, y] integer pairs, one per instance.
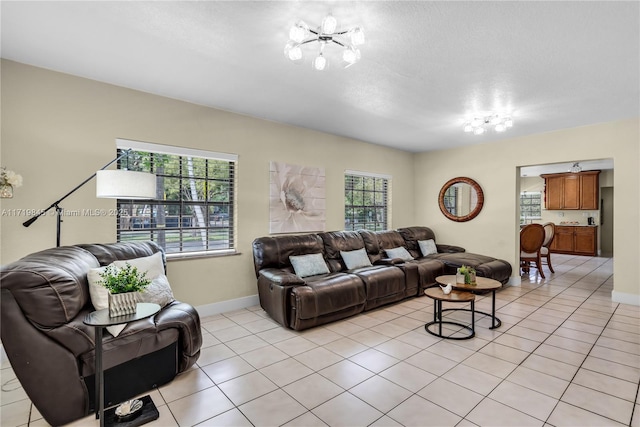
{"points": [[568, 224]]}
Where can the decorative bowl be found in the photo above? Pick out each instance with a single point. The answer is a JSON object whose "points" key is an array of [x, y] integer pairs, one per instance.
{"points": [[129, 409]]}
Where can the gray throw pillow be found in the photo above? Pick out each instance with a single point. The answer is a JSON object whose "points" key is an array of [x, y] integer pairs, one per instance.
{"points": [[427, 247], [355, 259], [308, 265], [399, 252]]}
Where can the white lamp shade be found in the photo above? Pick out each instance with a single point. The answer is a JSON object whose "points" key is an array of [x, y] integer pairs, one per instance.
{"points": [[123, 184]]}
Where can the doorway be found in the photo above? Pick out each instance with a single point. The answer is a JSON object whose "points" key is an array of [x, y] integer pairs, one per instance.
{"points": [[606, 221]]}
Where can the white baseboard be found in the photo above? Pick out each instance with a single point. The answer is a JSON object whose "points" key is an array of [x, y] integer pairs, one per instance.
{"points": [[515, 281], [229, 305], [623, 298]]}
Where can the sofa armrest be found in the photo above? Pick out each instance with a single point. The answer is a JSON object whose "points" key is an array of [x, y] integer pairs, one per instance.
{"points": [[449, 248], [274, 287], [185, 318], [281, 277], [42, 365], [389, 261]]}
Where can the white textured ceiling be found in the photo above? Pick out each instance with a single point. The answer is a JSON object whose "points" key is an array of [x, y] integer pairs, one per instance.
{"points": [[425, 65]]}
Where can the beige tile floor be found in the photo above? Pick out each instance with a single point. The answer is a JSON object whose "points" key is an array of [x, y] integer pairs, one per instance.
{"points": [[565, 355]]}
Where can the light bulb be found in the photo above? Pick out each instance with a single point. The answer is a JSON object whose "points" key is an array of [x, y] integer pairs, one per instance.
{"points": [[299, 32], [468, 127], [478, 131], [329, 24], [495, 120], [357, 36], [508, 122], [500, 127], [476, 122], [320, 63], [293, 51], [351, 56]]}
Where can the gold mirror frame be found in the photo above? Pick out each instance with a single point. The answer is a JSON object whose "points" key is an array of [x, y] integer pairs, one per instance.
{"points": [[476, 210]]}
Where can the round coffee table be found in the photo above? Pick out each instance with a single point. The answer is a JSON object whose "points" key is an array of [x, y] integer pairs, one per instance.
{"points": [[436, 294], [482, 286]]}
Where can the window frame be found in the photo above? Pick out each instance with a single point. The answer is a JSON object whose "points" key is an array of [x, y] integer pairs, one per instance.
{"points": [[385, 191], [183, 204]]}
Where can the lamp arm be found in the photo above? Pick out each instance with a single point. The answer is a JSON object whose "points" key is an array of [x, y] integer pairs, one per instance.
{"points": [[55, 204]]}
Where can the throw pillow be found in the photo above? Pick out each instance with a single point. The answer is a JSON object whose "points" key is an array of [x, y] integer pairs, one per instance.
{"points": [[355, 259], [158, 291], [308, 265], [399, 252], [427, 247]]}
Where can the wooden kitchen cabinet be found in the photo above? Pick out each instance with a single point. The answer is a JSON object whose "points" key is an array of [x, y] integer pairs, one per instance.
{"points": [[572, 190], [585, 241], [575, 240], [589, 191]]}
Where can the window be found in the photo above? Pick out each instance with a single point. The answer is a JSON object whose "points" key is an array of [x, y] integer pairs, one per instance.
{"points": [[365, 201], [194, 207], [451, 199], [530, 206]]}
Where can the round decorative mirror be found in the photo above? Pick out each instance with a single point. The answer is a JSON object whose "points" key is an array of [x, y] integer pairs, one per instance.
{"points": [[461, 199]]}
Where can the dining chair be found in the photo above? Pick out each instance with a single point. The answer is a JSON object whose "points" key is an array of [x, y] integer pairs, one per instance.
{"points": [[531, 240], [545, 250]]}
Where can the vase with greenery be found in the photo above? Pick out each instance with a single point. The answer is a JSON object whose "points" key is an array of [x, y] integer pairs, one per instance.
{"points": [[8, 181], [124, 285], [466, 275]]}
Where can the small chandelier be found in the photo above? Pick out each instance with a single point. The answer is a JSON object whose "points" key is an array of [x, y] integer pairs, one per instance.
{"points": [[300, 34], [479, 124], [576, 168]]}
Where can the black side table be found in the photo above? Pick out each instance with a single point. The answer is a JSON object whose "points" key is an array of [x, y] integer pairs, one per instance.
{"points": [[436, 294], [99, 320]]}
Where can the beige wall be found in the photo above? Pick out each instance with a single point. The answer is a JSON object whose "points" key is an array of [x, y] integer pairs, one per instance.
{"points": [[58, 129], [495, 167]]}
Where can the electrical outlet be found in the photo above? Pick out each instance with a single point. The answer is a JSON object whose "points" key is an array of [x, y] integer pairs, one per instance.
{"points": [[560, 214]]}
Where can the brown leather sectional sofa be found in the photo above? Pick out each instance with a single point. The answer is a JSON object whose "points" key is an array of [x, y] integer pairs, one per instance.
{"points": [[301, 303], [45, 297]]}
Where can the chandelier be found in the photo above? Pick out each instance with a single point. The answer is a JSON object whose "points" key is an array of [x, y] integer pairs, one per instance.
{"points": [[325, 35], [479, 124]]}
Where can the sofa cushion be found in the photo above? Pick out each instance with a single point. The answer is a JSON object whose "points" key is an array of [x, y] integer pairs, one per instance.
{"points": [[355, 259], [412, 235], [50, 286], [485, 266], [427, 247], [328, 294], [274, 252], [309, 265], [339, 241], [383, 284], [399, 252]]}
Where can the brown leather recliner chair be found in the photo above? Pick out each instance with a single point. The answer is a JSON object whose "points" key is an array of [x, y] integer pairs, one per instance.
{"points": [[44, 300]]}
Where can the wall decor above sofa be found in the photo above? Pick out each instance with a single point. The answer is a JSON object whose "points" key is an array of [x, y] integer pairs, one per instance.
{"points": [[296, 198], [461, 199]]}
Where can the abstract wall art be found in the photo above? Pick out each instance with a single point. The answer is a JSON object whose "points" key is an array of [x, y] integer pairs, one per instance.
{"points": [[297, 198]]}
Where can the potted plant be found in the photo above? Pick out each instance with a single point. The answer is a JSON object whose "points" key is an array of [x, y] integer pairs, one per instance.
{"points": [[124, 285], [466, 275]]}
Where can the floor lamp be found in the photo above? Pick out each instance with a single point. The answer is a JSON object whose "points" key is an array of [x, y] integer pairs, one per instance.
{"points": [[112, 184]]}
